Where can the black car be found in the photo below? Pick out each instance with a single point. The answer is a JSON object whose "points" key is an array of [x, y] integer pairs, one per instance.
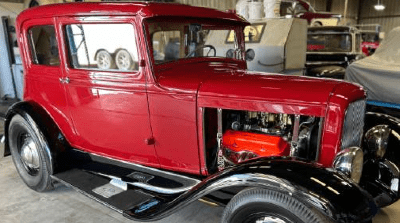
{"points": [[330, 49]]}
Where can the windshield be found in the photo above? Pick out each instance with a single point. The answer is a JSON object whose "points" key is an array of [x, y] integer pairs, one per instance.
{"points": [[329, 43], [174, 40]]}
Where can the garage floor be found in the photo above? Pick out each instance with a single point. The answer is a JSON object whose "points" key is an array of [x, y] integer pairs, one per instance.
{"points": [[19, 204]]}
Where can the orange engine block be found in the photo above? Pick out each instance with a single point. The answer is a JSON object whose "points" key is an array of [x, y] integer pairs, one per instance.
{"points": [[239, 146]]}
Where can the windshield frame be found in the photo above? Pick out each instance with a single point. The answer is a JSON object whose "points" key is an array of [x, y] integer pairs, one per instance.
{"points": [[229, 24]]}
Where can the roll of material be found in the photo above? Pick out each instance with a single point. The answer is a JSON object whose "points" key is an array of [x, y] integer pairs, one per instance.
{"points": [[255, 10], [272, 8], [242, 8]]}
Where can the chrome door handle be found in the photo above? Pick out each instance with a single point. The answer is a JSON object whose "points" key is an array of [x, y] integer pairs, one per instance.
{"points": [[64, 80]]}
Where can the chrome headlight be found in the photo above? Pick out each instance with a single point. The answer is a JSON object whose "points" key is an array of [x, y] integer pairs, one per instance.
{"points": [[377, 139], [353, 124], [350, 162]]}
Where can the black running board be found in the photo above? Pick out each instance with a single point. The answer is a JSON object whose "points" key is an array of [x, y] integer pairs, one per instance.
{"points": [[150, 179], [100, 190], [124, 187]]}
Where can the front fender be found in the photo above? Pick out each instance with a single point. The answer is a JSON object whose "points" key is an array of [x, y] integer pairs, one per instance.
{"points": [[393, 150], [324, 189], [381, 175], [381, 179]]}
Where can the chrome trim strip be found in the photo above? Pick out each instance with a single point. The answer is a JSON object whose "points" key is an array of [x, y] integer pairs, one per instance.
{"points": [[348, 53], [323, 32], [161, 172], [321, 127], [296, 127], [149, 187], [325, 63]]}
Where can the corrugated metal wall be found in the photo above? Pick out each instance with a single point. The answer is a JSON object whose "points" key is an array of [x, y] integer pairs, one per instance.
{"points": [[338, 6], [388, 18]]}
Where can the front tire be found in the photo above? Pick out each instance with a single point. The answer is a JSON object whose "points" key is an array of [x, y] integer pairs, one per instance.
{"points": [[28, 149], [255, 205]]}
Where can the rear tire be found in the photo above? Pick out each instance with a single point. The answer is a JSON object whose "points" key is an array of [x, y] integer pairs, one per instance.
{"points": [[29, 148], [260, 205], [104, 60]]}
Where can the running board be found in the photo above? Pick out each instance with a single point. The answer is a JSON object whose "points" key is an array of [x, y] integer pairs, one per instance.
{"points": [[138, 192], [102, 191], [147, 178]]}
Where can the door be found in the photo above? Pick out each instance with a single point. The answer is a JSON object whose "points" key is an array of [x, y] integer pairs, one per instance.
{"points": [[106, 89], [40, 53]]}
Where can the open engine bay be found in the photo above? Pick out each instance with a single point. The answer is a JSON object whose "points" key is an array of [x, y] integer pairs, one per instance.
{"points": [[235, 136]]}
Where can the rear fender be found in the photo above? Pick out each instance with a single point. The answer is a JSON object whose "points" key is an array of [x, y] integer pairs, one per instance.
{"points": [[323, 189], [37, 116]]}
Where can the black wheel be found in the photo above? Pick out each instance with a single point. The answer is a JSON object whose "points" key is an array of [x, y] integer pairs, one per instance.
{"points": [[255, 205], [29, 148]]}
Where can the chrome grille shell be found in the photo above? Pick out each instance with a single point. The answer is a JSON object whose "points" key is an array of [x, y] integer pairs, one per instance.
{"points": [[353, 124]]}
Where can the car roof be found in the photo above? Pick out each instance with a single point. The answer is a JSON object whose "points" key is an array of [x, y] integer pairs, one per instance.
{"points": [[144, 9]]}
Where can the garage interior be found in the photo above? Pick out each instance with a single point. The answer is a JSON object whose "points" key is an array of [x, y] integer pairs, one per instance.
{"points": [[20, 204]]}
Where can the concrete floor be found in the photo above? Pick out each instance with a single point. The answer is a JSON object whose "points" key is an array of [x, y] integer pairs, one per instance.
{"points": [[19, 204]]}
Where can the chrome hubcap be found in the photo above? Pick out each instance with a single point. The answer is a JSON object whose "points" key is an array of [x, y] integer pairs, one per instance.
{"points": [[29, 154], [123, 61], [270, 219], [104, 61]]}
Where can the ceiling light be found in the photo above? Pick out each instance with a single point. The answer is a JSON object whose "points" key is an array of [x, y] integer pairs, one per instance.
{"points": [[379, 6]]}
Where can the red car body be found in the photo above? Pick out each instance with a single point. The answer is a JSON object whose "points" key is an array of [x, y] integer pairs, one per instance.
{"points": [[168, 117], [368, 48], [303, 9], [168, 100]]}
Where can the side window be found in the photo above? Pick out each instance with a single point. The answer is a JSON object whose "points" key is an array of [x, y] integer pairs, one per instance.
{"points": [[167, 46], [102, 46], [44, 48]]}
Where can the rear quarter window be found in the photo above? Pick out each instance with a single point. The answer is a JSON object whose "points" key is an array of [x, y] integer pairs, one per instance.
{"points": [[43, 45]]}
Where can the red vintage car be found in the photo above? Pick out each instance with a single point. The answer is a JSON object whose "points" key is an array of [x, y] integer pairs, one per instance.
{"points": [[130, 105], [303, 9]]}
